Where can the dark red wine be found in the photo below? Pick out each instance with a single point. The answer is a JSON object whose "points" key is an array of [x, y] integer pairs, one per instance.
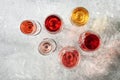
{"points": [[53, 23], [89, 41]]}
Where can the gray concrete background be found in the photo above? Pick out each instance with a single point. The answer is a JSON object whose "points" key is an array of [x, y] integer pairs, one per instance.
{"points": [[20, 59]]}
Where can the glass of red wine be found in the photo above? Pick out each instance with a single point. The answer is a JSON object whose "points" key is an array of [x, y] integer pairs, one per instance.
{"points": [[69, 57], [53, 24], [89, 41]]}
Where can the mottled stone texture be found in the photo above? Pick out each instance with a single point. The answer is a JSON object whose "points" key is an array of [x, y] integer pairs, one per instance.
{"points": [[19, 56]]}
